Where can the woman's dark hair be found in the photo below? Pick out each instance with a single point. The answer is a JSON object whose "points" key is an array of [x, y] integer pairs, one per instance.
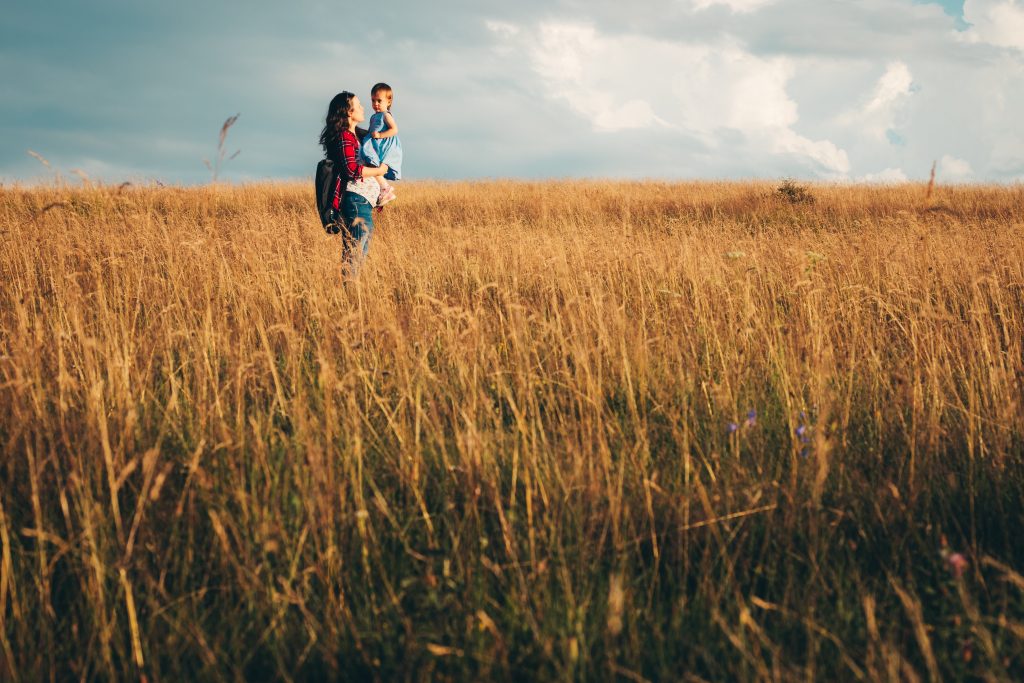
{"points": [[337, 122]]}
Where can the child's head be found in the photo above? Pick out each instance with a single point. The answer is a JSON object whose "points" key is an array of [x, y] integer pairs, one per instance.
{"points": [[381, 97]]}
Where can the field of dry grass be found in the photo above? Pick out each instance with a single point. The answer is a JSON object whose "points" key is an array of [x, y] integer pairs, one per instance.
{"points": [[557, 431]]}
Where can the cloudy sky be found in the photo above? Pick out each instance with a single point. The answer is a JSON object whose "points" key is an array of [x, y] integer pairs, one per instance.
{"points": [[870, 90]]}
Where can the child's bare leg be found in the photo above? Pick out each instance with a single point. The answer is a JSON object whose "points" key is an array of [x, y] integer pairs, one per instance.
{"points": [[387, 191]]}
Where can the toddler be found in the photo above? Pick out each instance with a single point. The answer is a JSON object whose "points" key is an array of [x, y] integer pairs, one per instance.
{"points": [[381, 144]]}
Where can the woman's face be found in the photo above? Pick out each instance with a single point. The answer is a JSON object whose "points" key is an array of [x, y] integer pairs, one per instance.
{"points": [[356, 113]]}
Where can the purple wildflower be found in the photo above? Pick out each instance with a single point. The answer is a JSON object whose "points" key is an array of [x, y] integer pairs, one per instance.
{"points": [[956, 564], [733, 427], [751, 418]]}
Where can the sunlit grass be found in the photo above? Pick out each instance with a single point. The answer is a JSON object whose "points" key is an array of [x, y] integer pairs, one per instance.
{"points": [[561, 430]]}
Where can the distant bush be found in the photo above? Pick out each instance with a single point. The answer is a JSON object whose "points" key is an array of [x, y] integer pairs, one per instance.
{"points": [[794, 193]]}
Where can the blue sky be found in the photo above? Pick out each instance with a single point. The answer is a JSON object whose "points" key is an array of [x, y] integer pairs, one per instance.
{"points": [[871, 90], [954, 8]]}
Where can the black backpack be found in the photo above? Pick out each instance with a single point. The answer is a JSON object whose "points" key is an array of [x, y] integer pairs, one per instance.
{"points": [[328, 194]]}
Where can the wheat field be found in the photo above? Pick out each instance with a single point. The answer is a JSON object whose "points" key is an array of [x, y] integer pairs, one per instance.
{"points": [[554, 431]]}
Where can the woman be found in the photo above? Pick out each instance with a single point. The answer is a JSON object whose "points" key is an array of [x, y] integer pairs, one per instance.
{"points": [[341, 145]]}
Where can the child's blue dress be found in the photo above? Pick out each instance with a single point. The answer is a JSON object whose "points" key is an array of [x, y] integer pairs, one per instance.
{"points": [[385, 150]]}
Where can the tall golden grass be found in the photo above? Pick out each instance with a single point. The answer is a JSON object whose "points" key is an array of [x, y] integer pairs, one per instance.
{"points": [[567, 430]]}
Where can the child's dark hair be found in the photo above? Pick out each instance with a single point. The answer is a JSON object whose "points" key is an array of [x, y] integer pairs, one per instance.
{"points": [[384, 88], [336, 124]]}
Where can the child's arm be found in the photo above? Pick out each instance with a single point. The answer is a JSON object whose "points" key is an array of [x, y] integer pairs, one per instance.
{"points": [[392, 130]]}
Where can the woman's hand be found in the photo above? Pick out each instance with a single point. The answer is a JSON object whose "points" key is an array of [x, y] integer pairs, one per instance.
{"points": [[375, 135]]}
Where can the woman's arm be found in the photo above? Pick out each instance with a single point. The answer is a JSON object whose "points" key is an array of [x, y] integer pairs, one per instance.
{"points": [[356, 170], [392, 130]]}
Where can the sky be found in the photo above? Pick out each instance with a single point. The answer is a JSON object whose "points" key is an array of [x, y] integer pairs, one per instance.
{"points": [[831, 90]]}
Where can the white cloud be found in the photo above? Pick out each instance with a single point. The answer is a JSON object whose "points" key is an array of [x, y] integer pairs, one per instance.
{"points": [[713, 92], [565, 57], [996, 22], [884, 177], [880, 118], [893, 86], [741, 6], [668, 88], [951, 168], [502, 28], [832, 160]]}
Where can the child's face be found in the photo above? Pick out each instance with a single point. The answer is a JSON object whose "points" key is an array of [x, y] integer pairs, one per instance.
{"points": [[380, 101]]}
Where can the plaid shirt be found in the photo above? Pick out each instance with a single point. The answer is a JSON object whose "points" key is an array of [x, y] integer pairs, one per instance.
{"points": [[350, 155], [350, 160]]}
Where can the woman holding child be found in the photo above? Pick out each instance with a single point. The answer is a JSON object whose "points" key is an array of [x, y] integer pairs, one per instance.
{"points": [[363, 183]]}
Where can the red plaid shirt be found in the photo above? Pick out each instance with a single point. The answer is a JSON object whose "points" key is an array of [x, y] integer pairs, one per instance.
{"points": [[350, 154], [350, 159]]}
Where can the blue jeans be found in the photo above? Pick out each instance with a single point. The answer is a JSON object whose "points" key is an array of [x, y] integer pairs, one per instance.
{"points": [[357, 215]]}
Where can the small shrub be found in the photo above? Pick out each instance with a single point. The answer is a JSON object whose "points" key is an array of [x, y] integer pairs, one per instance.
{"points": [[794, 193]]}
